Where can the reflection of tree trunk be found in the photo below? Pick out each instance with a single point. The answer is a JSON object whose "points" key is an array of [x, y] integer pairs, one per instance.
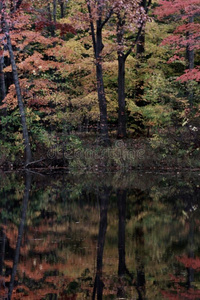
{"points": [[121, 196], [98, 285], [2, 250], [190, 271], [139, 254], [20, 232]]}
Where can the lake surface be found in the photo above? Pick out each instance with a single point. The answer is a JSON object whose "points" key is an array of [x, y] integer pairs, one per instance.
{"points": [[100, 236]]}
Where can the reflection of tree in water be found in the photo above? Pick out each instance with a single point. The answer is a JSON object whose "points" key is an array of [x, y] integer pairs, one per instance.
{"points": [[183, 285], [20, 232], [140, 248], [123, 271], [98, 284], [6, 292], [3, 289], [135, 209]]}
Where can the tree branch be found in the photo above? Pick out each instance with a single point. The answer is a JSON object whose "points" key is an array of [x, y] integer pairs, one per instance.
{"points": [[107, 18], [92, 27], [139, 32], [135, 42]]}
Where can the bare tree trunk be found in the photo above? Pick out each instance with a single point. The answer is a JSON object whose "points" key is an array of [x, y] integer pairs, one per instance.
{"points": [[2, 80], [2, 75], [2, 85], [122, 56], [100, 87], [121, 133], [190, 60], [98, 47], [49, 12], [139, 92], [54, 10], [28, 155], [62, 9]]}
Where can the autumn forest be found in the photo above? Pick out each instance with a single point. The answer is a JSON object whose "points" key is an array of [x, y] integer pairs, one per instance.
{"points": [[101, 77], [99, 149]]}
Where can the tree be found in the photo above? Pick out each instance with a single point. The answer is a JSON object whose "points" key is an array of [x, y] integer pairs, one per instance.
{"points": [[140, 50], [31, 43], [99, 13], [131, 19], [6, 37], [185, 38]]}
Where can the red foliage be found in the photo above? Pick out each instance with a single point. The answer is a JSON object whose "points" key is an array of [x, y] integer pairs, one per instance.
{"points": [[193, 263], [187, 32], [182, 8], [193, 74], [64, 28]]}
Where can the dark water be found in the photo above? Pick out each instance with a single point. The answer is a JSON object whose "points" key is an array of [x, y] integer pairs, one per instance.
{"points": [[100, 236]]}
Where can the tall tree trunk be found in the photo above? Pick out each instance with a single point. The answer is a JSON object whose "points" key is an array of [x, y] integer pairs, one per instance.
{"points": [[121, 133], [5, 29], [190, 65], [20, 232], [49, 12], [140, 49], [54, 10], [98, 47], [28, 155], [98, 285], [2, 80], [100, 88], [62, 9], [2, 75]]}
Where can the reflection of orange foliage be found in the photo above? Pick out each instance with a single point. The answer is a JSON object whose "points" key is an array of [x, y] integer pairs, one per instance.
{"points": [[12, 234], [36, 270], [33, 269], [33, 295], [67, 297], [44, 245], [8, 263], [3, 289], [179, 294], [193, 263]]}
